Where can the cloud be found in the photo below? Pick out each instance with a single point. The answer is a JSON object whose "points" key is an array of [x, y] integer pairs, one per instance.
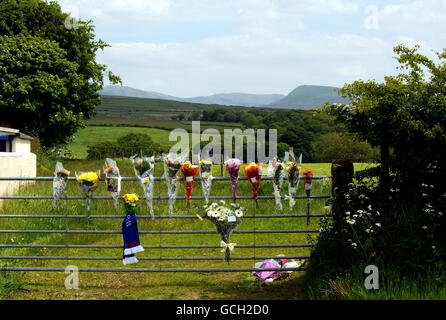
{"points": [[194, 47]]}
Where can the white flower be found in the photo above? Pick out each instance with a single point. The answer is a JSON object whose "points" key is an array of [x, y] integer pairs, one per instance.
{"points": [[238, 213], [347, 213], [378, 224], [222, 202], [433, 247], [354, 245], [424, 195], [367, 230], [370, 207], [424, 227], [355, 216], [440, 214], [351, 221]]}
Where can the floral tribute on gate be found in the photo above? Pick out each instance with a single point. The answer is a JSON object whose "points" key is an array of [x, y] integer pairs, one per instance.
{"points": [[113, 179], [206, 178], [276, 168], [143, 167], [130, 229], [292, 172], [59, 182], [172, 163], [189, 171], [88, 181], [254, 174], [233, 169], [225, 219]]}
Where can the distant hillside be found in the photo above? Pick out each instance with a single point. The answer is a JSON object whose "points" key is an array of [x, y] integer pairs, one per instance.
{"points": [[125, 91], [238, 99], [228, 99], [309, 97]]}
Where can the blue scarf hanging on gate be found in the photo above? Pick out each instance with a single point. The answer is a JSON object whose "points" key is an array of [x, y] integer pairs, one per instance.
{"points": [[131, 239]]}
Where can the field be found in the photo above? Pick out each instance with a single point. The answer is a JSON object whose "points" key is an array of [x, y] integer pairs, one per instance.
{"points": [[50, 285]]}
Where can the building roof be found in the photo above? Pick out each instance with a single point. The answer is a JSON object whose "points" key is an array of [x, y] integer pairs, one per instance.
{"points": [[14, 132]]}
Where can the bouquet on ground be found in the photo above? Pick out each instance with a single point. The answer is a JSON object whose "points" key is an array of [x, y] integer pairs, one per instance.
{"points": [[172, 163], [143, 167], [189, 171], [292, 172], [206, 178], [225, 219], [254, 174], [112, 179], [88, 182], [308, 181], [130, 229], [59, 182], [276, 169], [233, 169]]}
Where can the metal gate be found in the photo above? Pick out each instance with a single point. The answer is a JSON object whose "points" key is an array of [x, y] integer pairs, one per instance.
{"points": [[68, 246]]}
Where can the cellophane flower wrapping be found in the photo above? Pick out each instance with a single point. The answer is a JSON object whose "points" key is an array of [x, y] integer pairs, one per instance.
{"points": [[143, 167], [59, 182], [189, 171], [254, 174], [206, 178], [233, 169], [292, 171], [113, 179], [172, 163], [226, 219], [88, 182], [276, 169]]}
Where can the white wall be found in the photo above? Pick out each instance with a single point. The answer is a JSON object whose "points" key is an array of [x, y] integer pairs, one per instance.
{"points": [[21, 145], [13, 164]]}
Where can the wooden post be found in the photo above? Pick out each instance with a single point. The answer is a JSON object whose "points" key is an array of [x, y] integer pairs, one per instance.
{"points": [[341, 177], [222, 165]]}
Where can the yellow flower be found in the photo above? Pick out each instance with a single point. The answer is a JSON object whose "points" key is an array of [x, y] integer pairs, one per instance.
{"points": [[130, 199], [205, 162], [89, 176]]}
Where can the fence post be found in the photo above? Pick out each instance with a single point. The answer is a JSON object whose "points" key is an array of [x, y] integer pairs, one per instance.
{"points": [[342, 175]]}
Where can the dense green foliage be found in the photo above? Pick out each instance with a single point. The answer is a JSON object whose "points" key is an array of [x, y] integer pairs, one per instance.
{"points": [[125, 146], [49, 73], [337, 146], [393, 216]]}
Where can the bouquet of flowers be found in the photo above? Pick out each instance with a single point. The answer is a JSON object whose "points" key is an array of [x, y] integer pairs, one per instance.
{"points": [[189, 171], [275, 169], [143, 167], [233, 169], [59, 182], [225, 220], [254, 174], [130, 229], [206, 178], [292, 172], [88, 182], [172, 163], [308, 181], [112, 179]]}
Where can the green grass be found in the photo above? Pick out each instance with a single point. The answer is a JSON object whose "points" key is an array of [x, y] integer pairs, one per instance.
{"points": [[49, 285], [93, 135]]}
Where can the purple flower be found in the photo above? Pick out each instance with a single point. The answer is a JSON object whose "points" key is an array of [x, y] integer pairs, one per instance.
{"points": [[233, 169]]}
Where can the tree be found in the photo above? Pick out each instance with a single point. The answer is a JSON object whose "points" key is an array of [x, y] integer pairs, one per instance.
{"points": [[49, 74], [405, 116], [335, 146]]}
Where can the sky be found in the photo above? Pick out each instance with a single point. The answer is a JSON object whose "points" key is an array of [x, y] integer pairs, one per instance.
{"points": [[190, 48]]}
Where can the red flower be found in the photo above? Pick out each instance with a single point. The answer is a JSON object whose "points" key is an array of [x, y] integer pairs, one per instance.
{"points": [[189, 171], [254, 174]]}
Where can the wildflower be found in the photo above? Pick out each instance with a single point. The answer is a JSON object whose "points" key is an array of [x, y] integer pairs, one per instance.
{"points": [[347, 213], [424, 195], [351, 221], [424, 227], [373, 253], [354, 245], [433, 247], [378, 224], [440, 214], [367, 230]]}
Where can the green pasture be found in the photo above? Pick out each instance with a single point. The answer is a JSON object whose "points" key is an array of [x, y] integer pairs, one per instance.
{"points": [[49, 285]]}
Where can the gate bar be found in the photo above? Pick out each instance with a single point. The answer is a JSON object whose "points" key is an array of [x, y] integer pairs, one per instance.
{"points": [[97, 216], [158, 198], [152, 269], [85, 246], [136, 179], [155, 232], [143, 258]]}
